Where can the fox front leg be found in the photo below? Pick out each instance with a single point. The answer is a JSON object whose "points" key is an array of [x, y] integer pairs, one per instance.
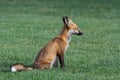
{"points": [[61, 59]]}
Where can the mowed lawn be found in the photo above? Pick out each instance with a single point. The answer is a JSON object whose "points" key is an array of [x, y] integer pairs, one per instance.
{"points": [[27, 25]]}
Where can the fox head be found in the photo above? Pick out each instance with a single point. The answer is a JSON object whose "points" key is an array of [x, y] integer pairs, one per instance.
{"points": [[71, 26]]}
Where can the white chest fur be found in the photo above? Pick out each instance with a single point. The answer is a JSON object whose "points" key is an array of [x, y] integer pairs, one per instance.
{"points": [[68, 40]]}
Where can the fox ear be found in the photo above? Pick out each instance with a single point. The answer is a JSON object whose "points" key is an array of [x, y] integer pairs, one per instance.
{"points": [[66, 20]]}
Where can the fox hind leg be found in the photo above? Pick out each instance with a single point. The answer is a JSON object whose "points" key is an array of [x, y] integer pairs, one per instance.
{"points": [[56, 62]]}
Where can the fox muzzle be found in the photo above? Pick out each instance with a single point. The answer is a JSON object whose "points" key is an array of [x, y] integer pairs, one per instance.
{"points": [[79, 33]]}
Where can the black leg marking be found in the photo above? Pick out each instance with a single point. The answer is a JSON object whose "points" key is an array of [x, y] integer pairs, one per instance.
{"points": [[61, 59]]}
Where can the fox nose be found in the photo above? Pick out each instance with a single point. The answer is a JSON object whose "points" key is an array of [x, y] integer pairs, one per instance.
{"points": [[80, 33]]}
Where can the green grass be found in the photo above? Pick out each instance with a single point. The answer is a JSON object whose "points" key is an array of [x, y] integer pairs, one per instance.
{"points": [[27, 25]]}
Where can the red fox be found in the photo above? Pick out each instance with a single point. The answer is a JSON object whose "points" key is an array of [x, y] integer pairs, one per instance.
{"points": [[54, 50]]}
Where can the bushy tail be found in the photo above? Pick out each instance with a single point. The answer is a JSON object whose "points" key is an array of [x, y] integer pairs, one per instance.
{"points": [[19, 67]]}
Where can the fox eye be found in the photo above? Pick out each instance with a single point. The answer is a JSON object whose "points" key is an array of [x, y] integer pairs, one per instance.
{"points": [[74, 27]]}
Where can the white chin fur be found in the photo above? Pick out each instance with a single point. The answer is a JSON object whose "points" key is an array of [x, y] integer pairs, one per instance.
{"points": [[13, 69]]}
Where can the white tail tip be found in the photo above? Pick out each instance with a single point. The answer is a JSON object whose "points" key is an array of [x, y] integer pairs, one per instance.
{"points": [[13, 69]]}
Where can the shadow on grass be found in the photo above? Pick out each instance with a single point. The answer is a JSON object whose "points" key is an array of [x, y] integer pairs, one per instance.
{"points": [[4, 67]]}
